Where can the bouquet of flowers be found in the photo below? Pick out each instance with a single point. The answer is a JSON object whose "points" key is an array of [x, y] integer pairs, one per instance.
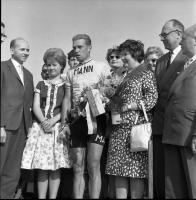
{"points": [[109, 87], [100, 97], [79, 106]]}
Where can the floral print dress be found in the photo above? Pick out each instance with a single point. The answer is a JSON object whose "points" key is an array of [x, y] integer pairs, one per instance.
{"points": [[138, 85], [45, 150]]}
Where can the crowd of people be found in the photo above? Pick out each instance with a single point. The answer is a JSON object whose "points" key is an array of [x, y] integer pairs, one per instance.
{"points": [[68, 119]]}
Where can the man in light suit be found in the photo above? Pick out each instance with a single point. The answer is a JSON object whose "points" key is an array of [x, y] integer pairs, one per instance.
{"points": [[179, 134], [16, 119], [168, 68]]}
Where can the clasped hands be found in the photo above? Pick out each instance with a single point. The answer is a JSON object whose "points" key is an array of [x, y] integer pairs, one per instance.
{"points": [[48, 124]]}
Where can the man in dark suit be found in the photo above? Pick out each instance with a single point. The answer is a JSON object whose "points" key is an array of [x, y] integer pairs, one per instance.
{"points": [[168, 68], [16, 119], [179, 134]]}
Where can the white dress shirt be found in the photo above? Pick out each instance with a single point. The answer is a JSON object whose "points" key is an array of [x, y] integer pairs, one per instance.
{"points": [[19, 69], [174, 53]]}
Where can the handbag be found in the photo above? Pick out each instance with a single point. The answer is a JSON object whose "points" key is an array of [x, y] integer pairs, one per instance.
{"points": [[140, 134]]}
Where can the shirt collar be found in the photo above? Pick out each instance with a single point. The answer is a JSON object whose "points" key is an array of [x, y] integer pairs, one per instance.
{"points": [[86, 61], [15, 63], [176, 51], [190, 60]]}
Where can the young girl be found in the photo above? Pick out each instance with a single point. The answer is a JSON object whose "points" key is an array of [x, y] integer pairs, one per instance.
{"points": [[46, 149]]}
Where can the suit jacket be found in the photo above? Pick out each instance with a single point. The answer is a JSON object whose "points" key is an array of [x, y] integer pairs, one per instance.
{"points": [[165, 77], [180, 113], [16, 98]]}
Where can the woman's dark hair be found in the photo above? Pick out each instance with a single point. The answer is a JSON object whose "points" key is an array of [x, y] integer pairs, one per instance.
{"points": [[71, 54], [135, 48], [57, 54]]}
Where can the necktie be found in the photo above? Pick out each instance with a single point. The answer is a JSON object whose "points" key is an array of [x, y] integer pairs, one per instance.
{"points": [[169, 59], [187, 64], [21, 73]]}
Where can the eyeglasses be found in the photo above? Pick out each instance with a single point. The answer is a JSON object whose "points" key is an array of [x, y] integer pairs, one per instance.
{"points": [[117, 57], [164, 35], [154, 60]]}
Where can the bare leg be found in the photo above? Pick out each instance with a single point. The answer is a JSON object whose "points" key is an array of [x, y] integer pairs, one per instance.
{"points": [[93, 164], [42, 183], [78, 157], [121, 184], [137, 188], [54, 182]]}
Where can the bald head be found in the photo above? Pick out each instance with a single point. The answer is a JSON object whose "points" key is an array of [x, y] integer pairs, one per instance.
{"points": [[14, 42], [19, 48], [189, 41]]}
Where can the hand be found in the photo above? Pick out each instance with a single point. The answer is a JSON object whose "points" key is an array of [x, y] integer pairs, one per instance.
{"points": [[67, 130], [48, 124], [3, 135], [109, 92], [193, 144], [124, 108], [64, 133]]}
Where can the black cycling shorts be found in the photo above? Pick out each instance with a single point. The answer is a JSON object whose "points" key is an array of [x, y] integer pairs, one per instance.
{"points": [[79, 132]]}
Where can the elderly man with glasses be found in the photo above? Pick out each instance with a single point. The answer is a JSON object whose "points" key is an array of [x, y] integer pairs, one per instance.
{"points": [[168, 67], [179, 132]]}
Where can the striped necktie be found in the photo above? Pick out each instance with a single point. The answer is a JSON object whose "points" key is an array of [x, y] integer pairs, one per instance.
{"points": [[188, 63]]}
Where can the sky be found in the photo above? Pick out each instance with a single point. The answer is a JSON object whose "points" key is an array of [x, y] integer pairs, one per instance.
{"points": [[53, 23]]}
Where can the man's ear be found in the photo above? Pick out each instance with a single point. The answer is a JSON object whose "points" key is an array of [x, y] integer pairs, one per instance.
{"points": [[12, 51], [89, 48], [180, 34]]}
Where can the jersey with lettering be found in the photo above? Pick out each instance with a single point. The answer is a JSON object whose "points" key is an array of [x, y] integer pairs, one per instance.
{"points": [[85, 75]]}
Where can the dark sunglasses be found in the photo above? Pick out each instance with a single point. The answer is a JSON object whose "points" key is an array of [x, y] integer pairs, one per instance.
{"points": [[154, 60], [117, 57]]}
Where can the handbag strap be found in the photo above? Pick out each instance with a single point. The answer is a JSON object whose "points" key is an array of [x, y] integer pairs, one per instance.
{"points": [[144, 111]]}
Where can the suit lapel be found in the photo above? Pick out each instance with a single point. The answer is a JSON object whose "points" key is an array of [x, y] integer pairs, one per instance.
{"points": [[181, 77], [172, 69], [13, 70], [162, 67], [25, 77]]}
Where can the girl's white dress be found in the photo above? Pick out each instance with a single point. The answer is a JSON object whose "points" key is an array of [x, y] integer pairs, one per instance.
{"points": [[45, 150]]}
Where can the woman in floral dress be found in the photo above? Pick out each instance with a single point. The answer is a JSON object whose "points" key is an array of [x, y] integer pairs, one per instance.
{"points": [[139, 84], [47, 148]]}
